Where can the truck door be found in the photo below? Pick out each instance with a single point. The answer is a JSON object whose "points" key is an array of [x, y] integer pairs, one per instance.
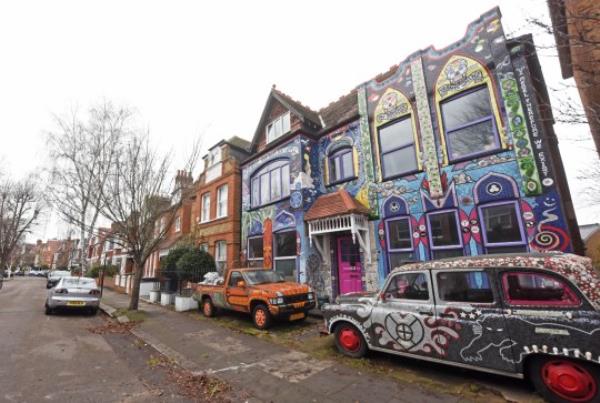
{"points": [[402, 316], [468, 305], [237, 296]]}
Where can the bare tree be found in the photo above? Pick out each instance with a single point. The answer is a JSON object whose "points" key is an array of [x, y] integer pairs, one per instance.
{"points": [[83, 152], [136, 196], [20, 207]]}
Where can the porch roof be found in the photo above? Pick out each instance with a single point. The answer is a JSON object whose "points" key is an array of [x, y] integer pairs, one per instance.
{"points": [[334, 204]]}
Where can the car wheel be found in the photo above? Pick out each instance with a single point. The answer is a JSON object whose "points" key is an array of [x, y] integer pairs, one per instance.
{"points": [[94, 311], [350, 341], [261, 317], [48, 310], [208, 309], [563, 380]]}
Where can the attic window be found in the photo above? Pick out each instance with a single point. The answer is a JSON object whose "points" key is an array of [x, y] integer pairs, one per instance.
{"points": [[278, 127]]}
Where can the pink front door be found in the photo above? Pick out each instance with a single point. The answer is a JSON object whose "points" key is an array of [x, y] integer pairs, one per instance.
{"points": [[350, 269]]}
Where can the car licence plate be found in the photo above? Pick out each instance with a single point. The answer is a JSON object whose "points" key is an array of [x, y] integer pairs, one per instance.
{"points": [[296, 316], [75, 303]]}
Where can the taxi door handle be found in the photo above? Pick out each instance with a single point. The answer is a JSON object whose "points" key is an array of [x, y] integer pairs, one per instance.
{"points": [[426, 313]]}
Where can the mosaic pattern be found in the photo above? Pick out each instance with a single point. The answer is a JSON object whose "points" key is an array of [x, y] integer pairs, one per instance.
{"points": [[518, 129]]}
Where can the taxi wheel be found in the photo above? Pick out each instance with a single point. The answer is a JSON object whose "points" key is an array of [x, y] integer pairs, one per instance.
{"points": [[208, 309], [261, 317], [350, 341], [563, 380]]}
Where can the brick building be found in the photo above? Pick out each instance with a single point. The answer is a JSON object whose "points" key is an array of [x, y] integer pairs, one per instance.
{"points": [[217, 206], [576, 26]]}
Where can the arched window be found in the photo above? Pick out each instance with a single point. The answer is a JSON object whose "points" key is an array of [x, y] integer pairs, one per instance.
{"points": [[270, 183], [468, 113], [396, 135], [341, 164]]}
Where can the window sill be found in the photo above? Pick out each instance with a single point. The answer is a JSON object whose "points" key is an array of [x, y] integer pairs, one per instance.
{"points": [[212, 221], [401, 175], [475, 156]]}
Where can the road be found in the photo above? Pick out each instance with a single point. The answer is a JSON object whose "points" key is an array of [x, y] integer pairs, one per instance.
{"points": [[57, 358]]}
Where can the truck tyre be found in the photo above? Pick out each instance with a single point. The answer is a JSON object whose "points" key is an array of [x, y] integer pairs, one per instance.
{"points": [[208, 309], [261, 317], [350, 341], [560, 380]]}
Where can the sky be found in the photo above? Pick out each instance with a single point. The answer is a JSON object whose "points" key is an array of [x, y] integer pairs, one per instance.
{"points": [[194, 68]]}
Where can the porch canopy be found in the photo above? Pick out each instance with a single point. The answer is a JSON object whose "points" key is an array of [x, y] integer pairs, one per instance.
{"points": [[336, 212]]}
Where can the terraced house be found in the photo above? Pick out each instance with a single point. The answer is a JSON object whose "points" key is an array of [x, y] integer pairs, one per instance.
{"points": [[451, 152]]}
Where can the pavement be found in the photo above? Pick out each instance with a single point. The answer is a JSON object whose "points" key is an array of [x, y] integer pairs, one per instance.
{"points": [[65, 358], [271, 372]]}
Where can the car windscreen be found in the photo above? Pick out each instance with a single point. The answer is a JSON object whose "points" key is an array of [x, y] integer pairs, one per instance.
{"points": [[263, 277], [78, 282]]}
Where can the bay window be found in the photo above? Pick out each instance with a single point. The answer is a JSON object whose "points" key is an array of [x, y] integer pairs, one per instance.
{"points": [[205, 214], [271, 183], [221, 256], [222, 201], [397, 148], [469, 124]]}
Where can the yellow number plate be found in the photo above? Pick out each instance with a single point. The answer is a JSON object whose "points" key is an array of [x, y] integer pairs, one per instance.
{"points": [[75, 303], [297, 316]]}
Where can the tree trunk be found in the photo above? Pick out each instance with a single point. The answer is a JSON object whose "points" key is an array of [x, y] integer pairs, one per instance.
{"points": [[138, 271]]}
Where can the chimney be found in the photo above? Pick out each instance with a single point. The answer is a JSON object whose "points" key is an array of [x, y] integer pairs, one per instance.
{"points": [[183, 179]]}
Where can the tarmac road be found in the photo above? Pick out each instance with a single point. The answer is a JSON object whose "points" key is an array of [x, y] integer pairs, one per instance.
{"points": [[56, 358]]}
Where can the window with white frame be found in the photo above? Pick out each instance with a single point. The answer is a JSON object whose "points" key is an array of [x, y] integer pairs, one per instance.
{"points": [[178, 223], [502, 229], [341, 164], [205, 214], [270, 183], [221, 255], [284, 248], [444, 234], [222, 201], [278, 127]]}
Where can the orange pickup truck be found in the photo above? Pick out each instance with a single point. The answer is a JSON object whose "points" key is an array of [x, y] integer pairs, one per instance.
{"points": [[263, 293]]}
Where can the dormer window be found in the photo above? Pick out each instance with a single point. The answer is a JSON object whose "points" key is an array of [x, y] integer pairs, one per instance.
{"points": [[213, 164], [278, 127]]}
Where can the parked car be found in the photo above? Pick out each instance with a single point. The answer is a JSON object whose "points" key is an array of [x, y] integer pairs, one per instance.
{"points": [[522, 315], [265, 294], [55, 276], [74, 293]]}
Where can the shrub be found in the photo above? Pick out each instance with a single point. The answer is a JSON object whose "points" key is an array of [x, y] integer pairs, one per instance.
{"points": [[108, 269]]}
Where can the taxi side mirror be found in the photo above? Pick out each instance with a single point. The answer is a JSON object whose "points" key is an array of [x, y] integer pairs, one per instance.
{"points": [[382, 297], [241, 284]]}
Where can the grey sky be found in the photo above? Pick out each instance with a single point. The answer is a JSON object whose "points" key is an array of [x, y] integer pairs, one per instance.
{"points": [[192, 67]]}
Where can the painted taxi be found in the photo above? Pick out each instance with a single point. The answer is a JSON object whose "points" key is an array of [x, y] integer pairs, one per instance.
{"points": [[523, 315], [265, 294]]}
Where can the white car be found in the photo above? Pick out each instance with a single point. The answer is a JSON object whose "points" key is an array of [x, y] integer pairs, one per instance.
{"points": [[74, 292]]}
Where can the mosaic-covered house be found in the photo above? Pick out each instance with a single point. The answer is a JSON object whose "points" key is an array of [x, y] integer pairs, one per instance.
{"points": [[451, 152]]}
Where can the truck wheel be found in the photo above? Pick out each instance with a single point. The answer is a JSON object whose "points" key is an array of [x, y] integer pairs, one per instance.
{"points": [[261, 317], [350, 341], [564, 380], [208, 309]]}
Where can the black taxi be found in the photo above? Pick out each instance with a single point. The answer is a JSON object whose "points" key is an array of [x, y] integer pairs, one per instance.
{"points": [[520, 315]]}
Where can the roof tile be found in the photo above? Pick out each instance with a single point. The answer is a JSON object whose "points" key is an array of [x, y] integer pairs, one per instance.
{"points": [[333, 204]]}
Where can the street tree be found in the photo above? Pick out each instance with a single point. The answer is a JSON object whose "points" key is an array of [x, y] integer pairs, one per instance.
{"points": [[20, 207], [83, 149], [141, 201]]}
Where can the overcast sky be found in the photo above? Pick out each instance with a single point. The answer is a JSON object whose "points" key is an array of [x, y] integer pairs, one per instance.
{"points": [[192, 67]]}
